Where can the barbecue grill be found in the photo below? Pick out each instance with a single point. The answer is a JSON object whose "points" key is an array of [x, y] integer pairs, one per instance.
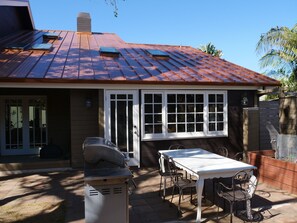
{"points": [[106, 182]]}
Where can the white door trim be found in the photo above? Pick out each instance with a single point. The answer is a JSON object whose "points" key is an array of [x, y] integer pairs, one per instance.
{"points": [[136, 133]]}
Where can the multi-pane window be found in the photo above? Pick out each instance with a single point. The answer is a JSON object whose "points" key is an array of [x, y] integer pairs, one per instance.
{"points": [[168, 114], [153, 113], [185, 112], [215, 112]]}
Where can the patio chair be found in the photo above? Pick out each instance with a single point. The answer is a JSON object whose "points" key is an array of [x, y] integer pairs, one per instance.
{"points": [[176, 146], [180, 183], [243, 187], [164, 175], [223, 151], [241, 156]]}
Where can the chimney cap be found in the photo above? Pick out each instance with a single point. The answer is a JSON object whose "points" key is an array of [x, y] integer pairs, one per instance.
{"points": [[85, 15]]}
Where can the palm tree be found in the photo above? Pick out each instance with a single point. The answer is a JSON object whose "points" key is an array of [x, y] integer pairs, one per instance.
{"points": [[211, 49], [279, 46]]}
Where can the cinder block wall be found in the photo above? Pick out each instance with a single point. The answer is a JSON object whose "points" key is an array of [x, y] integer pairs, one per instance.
{"points": [[269, 124]]}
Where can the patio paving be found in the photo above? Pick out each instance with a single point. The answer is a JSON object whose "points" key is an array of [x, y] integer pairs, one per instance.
{"points": [[58, 197]]}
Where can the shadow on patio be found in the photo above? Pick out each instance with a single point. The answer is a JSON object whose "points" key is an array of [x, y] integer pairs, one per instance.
{"points": [[58, 197]]}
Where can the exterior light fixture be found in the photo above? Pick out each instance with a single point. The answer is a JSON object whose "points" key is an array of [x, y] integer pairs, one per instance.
{"points": [[244, 101]]}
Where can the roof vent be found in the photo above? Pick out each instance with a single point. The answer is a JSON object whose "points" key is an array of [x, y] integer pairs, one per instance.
{"points": [[84, 22]]}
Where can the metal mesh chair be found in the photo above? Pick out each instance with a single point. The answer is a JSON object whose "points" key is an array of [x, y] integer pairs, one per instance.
{"points": [[242, 188], [179, 182], [223, 151], [164, 175]]}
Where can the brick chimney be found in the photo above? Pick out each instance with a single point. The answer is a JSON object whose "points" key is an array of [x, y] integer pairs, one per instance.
{"points": [[84, 22]]}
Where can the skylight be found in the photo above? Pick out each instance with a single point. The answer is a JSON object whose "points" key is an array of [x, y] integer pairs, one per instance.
{"points": [[17, 46], [158, 53], [51, 35], [42, 46], [109, 51]]}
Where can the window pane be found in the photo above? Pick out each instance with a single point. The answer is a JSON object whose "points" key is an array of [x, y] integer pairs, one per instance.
{"points": [[220, 98], [211, 98], [220, 117], [199, 118], [148, 109], [181, 108], [212, 108], [199, 98], [220, 107], [171, 128], [157, 98], [157, 108], [212, 127], [199, 127], [181, 98], [212, 117], [121, 96], [180, 118], [148, 119], [190, 108], [149, 129], [190, 118], [190, 98], [148, 98], [171, 118], [158, 128], [181, 128], [199, 108], [171, 98], [220, 126], [171, 108], [158, 119], [190, 128]]}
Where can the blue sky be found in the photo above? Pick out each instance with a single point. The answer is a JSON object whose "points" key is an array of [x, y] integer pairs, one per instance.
{"points": [[234, 26]]}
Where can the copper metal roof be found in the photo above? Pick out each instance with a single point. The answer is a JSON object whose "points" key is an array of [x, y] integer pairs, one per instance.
{"points": [[75, 58]]}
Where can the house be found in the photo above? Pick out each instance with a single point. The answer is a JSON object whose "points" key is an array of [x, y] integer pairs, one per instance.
{"points": [[58, 87]]}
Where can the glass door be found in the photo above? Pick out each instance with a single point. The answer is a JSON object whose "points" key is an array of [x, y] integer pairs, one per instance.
{"points": [[121, 122], [23, 127]]}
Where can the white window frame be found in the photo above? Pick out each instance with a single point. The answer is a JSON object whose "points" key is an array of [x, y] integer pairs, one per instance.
{"points": [[184, 135]]}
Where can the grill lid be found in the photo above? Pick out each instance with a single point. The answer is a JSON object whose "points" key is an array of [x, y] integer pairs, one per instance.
{"points": [[101, 153]]}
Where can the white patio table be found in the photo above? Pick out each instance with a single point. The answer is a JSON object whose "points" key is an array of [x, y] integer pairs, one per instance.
{"points": [[204, 165]]}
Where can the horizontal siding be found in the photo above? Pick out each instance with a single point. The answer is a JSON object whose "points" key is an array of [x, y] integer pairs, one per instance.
{"points": [[84, 122]]}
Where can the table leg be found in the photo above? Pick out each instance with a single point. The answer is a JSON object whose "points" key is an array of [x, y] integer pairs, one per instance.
{"points": [[199, 189]]}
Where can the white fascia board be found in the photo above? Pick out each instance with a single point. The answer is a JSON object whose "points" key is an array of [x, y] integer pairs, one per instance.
{"points": [[124, 86], [19, 3], [14, 3]]}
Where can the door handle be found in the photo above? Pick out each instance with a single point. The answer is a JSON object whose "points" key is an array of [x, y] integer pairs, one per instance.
{"points": [[135, 130]]}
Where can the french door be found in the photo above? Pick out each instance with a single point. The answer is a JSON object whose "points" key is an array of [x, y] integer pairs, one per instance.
{"points": [[122, 122], [23, 125]]}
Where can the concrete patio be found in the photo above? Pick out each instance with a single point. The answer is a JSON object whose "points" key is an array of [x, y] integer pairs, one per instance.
{"points": [[58, 197]]}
